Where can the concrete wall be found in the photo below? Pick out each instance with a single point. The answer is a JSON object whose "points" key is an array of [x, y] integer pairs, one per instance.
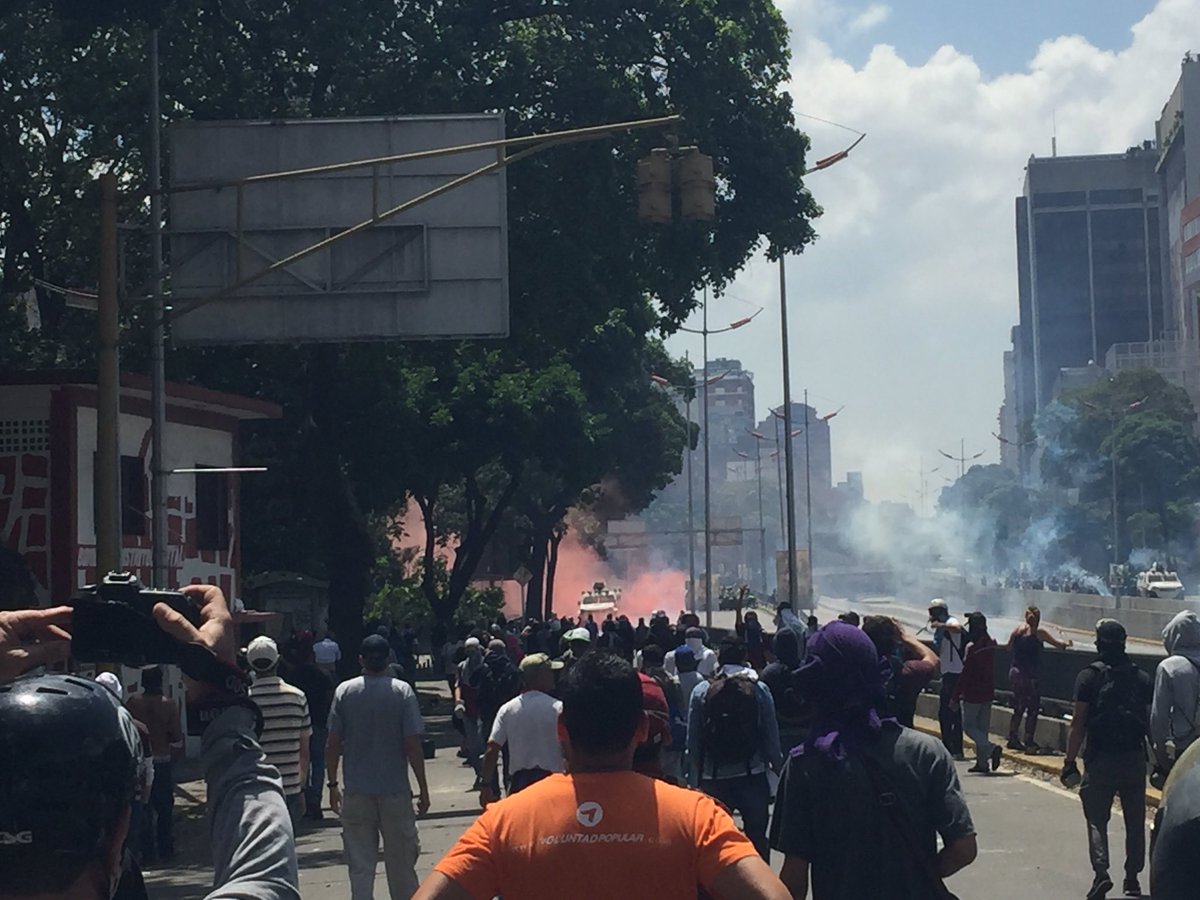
{"points": [[1142, 617]]}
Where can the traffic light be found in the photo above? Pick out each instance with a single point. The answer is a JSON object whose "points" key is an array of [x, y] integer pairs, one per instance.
{"points": [[685, 173], [654, 187], [697, 186]]}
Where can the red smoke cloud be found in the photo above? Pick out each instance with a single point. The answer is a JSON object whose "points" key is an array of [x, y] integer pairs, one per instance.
{"points": [[579, 568]]}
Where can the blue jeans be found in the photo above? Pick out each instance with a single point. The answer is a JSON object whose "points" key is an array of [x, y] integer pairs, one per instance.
{"points": [[751, 796], [316, 769]]}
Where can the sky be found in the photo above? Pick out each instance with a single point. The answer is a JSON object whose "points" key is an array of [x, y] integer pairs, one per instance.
{"points": [[901, 310]]}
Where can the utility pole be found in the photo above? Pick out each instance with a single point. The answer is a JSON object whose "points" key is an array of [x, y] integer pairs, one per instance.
{"points": [[158, 374], [707, 484], [762, 530], [691, 526], [107, 474], [787, 431], [808, 492]]}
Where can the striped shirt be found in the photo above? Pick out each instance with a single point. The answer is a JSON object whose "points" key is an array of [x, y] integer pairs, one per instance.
{"points": [[285, 724]]}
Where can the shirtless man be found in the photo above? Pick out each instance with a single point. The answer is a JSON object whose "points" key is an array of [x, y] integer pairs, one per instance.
{"points": [[161, 717], [1026, 645]]}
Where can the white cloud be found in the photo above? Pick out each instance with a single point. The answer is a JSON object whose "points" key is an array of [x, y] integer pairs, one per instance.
{"points": [[874, 15], [902, 308]]}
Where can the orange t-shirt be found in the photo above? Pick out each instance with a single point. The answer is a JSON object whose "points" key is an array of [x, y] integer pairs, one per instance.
{"points": [[599, 834]]}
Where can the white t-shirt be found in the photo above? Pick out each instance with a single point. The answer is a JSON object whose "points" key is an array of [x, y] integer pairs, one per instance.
{"points": [[326, 652], [706, 662], [528, 723], [951, 649]]}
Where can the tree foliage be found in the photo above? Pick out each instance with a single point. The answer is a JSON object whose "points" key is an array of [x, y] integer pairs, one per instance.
{"points": [[524, 428]]}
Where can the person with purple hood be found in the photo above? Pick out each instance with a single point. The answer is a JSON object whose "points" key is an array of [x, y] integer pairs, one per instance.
{"points": [[862, 787]]}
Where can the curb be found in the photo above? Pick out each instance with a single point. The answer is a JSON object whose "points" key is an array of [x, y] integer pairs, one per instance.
{"points": [[1049, 767]]}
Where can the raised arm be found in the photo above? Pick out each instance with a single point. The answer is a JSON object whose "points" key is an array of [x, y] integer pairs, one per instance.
{"points": [[253, 847], [1052, 640]]}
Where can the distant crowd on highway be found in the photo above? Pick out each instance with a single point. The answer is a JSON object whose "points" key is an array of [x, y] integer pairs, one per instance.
{"points": [[610, 758]]}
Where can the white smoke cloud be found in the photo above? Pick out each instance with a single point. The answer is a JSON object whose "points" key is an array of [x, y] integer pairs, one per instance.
{"points": [[902, 308]]}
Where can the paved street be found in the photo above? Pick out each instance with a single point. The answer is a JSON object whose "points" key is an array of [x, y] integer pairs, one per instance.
{"points": [[1031, 840]]}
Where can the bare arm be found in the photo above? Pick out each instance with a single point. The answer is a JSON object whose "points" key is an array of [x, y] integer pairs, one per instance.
{"points": [[304, 755], [438, 887], [957, 855], [749, 879], [416, 758], [1051, 639], [795, 876], [923, 652], [333, 758], [491, 758], [1079, 719]]}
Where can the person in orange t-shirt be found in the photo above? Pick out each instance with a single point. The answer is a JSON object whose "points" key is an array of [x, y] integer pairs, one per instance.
{"points": [[602, 829]]}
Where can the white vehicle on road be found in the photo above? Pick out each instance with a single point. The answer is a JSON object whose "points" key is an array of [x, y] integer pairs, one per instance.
{"points": [[599, 602], [1157, 582]]}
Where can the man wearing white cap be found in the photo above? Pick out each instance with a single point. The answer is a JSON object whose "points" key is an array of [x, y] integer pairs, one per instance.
{"points": [[528, 725], [579, 642], [286, 724]]}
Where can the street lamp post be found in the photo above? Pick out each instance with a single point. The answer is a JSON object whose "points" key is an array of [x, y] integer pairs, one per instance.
{"points": [[787, 429], [1115, 414], [687, 392], [762, 531], [819, 165], [705, 331], [962, 459]]}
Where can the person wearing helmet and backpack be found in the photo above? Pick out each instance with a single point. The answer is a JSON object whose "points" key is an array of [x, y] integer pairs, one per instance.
{"points": [[1112, 712], [68, 768], [733, 739]]}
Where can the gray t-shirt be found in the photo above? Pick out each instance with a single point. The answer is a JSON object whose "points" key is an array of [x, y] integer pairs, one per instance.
{"points": [[827, 812], [373, 714]]}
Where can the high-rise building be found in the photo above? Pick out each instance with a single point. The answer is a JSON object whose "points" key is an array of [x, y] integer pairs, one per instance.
{"points": [[730, 412], [1179, 169], [1089, 272]]}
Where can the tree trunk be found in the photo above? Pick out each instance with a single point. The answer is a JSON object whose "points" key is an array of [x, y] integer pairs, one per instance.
{"points": [[535, 591], [556, 536], [347, 541]]}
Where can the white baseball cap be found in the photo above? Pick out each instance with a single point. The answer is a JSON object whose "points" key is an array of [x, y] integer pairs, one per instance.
{"points": [[113, 683], [937, 603], [578, 634], [262, 653]]}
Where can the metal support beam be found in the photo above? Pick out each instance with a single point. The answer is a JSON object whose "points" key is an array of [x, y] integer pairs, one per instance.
{"points": [[158, 326], [787, 438], [107, 473]]}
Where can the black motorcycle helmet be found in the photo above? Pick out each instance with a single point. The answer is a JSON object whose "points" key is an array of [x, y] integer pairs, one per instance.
{"points": [[68, 770]]}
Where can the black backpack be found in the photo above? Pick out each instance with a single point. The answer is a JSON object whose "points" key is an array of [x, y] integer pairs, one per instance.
{"points": [[1117, 719], [497, 685], [730, 732]]}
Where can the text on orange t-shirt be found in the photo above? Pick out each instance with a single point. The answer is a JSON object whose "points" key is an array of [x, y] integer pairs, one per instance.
{"points": [[600, 834]]}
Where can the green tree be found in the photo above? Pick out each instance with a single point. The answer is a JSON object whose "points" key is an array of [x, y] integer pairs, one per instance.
{"points": [[1133, 434], [590, 286]]}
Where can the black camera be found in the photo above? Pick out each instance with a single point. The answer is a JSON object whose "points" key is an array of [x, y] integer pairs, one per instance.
{"points": [[113, 622]]}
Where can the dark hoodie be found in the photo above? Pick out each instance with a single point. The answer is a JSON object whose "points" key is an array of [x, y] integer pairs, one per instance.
{"points": [[498, 681]]}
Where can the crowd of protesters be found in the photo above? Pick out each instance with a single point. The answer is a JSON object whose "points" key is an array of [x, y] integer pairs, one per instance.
{"points": [[621, 752]]}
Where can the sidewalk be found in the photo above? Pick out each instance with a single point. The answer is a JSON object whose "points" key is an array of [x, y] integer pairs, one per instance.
{"points": [[1046, 767], [323, 874]]}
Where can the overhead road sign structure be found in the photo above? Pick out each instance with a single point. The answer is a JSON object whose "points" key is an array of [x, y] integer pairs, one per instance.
{"points": [[439, 270]]}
